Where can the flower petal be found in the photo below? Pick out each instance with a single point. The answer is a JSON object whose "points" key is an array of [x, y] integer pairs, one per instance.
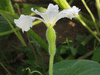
{"points": [[52, 12], [38, 19], [52, 15], [49, 15], [24, 22], [43, 15], [61, 14], [72, 12], [69, 13]]}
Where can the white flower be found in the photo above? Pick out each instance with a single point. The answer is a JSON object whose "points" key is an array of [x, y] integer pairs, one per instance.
{"points": [[52, 15], [24, 22], [72, 12]]}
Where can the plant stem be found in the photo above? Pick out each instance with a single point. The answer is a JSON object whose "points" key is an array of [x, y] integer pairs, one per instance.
{"points": [[98, 7], [83, 23], [41, 61], [12, 21], [6, 5], [86, 55], [88, 38], [5, 68], [31, 46], [38, 39], [92, 16], [20, 38], [30, 72], [51, 38], [63, 4], [51, 65], [8, 32], [17, 6]]}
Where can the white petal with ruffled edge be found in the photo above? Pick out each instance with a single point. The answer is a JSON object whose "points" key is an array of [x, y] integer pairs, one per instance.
{"points": [[49, 15], [69, 13], [24, 22], [52, 15]]}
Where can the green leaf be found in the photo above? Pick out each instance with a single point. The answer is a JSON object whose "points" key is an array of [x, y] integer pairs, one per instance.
{"points": [[33, 64], [73, 50], [62, 49], [6, 6], [25, 49], [28, 11], [21, 71], [70, 57], [96, 55], [81, 50], [4, 26], [76, 67], [35, 42], [80, 38], [38, 39]]}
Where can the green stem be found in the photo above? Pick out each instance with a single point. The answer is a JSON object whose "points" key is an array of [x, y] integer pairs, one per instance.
{"points": [[63, 4], [6, 5], [37, 22], [31, 46], [91, 15], [70, 2], [8, 32], [51, 38], [86, 55], [5, 68], [42, 61], [20, 38], [31, 72], [98, 7], [16, 27], [83, 23], [38, 39], [87, 20], [88, 38], [17, 6], [51, 64]]}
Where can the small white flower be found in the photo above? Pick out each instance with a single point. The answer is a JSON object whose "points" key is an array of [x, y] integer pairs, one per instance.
{"points": [[24, 22], [52, 15], [72, 12]]}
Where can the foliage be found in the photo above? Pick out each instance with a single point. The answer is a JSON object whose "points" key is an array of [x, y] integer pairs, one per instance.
{"points": [[4, 26], [76, 67]]}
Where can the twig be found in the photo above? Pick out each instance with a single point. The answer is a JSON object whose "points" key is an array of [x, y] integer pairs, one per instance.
{"points": [[5, 68], [86, 55]]}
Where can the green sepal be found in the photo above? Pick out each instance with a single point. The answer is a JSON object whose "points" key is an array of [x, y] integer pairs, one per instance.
{"points": [[51, 38]]}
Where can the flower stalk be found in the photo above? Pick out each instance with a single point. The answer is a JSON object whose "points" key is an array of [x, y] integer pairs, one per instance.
{"points": [[51, 65], [38, 39], [92, 16], [98, 7], [51, 38]]}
